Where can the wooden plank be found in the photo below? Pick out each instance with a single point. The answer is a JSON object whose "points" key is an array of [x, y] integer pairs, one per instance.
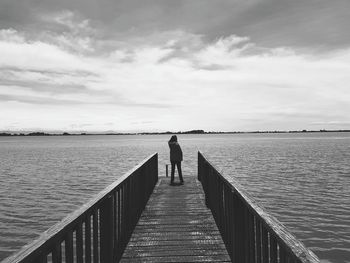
{"points": [[175, 237], [282, 255], [258, 241], [176, 259], [193, 250], [180, 251], [213, 258], [43, 259], [232, 225], [88, 239], [106, 230], [251, 237], [79, 243], [95, 241], [180, 234], [176, 227], [265, 245], [57, 254], [245, 234], [273, 250], [69, 247], [240, 231]]}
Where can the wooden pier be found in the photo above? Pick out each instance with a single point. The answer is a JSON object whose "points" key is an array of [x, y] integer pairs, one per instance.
{"points": [[141, 218], [176, 226]]}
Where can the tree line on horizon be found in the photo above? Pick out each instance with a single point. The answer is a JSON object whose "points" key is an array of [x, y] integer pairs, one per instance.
{"points": [[155, 133]]}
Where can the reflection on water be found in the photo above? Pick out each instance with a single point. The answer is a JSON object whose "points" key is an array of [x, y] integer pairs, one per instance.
{"points": [[302, 179]]}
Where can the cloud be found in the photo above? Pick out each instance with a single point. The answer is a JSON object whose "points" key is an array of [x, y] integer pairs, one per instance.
{"points": [[167, 80], [11, 35], [37, 55], [335, 123], [68, 20], [38, 100], [68, 31]]}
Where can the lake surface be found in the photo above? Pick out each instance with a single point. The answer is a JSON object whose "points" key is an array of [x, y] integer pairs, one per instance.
{"points": [[301, 179]]}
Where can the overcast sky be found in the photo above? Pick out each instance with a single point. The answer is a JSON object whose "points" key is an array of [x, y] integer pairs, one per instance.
{"points": [[158, 65]]}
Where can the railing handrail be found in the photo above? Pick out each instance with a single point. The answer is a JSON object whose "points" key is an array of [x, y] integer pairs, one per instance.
{"points": [[73, 218], [281, 232]]}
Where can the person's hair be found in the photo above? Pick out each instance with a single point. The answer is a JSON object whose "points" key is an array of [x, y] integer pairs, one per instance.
{"points": [[173, 138]]}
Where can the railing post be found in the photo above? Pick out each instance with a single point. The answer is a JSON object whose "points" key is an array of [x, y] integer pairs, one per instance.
{"points": [[57, 253], [96, 231], [106, 226], [79, 243], [199, 166], [258, 240], [204, 180], [265, 245], [88, 239], [69, 248], [156, 169]]}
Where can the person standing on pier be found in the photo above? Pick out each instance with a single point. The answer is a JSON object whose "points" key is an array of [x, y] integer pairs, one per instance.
{"points": [[175, 158]]}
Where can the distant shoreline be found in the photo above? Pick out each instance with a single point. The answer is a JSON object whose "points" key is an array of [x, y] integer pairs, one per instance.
{"points": [[160, 133]]}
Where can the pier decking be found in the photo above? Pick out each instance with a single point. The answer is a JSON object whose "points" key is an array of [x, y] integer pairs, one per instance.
{"points": [[176, 226]]}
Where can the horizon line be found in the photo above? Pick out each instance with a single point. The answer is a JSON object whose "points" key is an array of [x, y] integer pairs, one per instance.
{"points": [[75, 133]]}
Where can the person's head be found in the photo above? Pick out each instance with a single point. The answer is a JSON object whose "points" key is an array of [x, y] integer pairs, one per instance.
{"points": [[173, 138]]}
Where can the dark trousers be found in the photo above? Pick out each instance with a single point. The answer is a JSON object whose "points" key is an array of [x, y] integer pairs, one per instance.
{"points": [[178, 164]]}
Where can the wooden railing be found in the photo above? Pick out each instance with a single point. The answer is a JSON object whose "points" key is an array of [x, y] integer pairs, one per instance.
{"points": [[249, 232], [99, 231]]}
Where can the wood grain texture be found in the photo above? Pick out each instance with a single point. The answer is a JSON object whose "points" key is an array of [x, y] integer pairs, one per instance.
{"points": [[176, 226]]}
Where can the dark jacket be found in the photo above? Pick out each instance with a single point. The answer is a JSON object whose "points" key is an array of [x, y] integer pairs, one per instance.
{"points": [[175, 152]]}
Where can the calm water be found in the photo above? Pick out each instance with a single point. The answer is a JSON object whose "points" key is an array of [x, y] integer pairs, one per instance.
{"points": [[302, 179]]}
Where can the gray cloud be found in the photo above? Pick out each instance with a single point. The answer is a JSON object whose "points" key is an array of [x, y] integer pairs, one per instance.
{"points": [[299, 23], [44, 81], [96, 97], [148, 105], [314, 23], [52, 73], [44, 86], [212, 67], [83, 125], [38, 100], [50, 88], [117, 101], [332, 123]]}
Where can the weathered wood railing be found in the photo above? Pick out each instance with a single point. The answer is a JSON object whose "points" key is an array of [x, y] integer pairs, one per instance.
{"points": [[99, 231], [249, 233]]}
